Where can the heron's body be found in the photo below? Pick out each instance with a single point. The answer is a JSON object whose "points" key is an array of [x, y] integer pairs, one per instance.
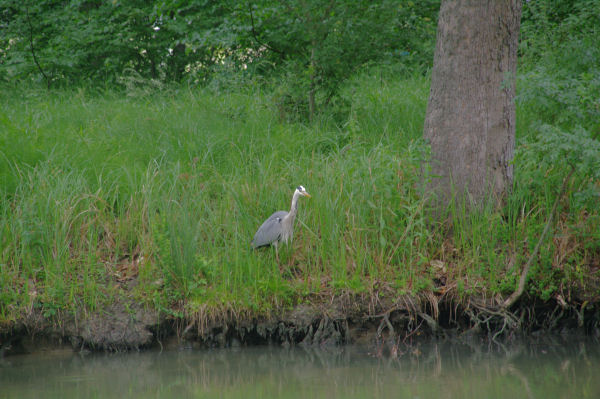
{"points": [[279, 227]]}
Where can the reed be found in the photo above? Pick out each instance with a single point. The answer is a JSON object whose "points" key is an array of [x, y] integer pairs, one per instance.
{"points": [[156, 197]]}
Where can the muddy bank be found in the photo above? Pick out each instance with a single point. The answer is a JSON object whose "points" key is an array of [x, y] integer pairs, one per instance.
{"points": [[342, 320], [115, 328]]}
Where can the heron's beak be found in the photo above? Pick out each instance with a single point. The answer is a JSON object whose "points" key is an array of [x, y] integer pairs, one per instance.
{"points": [[307, 194]]}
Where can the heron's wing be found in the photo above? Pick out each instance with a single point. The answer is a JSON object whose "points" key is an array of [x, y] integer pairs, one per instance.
{"points": [[270, 230]]}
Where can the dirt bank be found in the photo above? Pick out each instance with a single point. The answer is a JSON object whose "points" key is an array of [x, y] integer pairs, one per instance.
{"points": [[368, 320]]}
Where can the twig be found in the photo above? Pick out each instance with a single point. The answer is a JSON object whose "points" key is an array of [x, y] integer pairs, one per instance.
{"points": [[517, 294], [35, 60], [407, 336]]}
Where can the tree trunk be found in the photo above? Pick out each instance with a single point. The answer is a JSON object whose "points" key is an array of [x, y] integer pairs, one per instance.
{"points": [[470, 119]]}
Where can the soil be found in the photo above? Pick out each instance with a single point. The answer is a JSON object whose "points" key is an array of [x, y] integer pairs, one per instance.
{"points": [[384, 326]]}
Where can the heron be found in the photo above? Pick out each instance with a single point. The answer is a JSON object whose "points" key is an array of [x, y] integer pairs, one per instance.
{"points": [[279, 227]]}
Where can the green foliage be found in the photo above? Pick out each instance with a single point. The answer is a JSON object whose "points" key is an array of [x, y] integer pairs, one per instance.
{"points": [[559, 106], [555, 152], [304, 49], [165, 187], [176, 237], [554, 147], [316, 45], [560, 64], [100, 41], [176, 214]]}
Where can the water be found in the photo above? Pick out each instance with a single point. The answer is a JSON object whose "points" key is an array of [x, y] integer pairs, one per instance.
{"points": [[556, 369]]}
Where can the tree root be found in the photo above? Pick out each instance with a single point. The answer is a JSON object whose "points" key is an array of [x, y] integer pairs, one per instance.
{"points": [[500, 314], [431, 322], [385, 322], [517, 294], [394, 341], [489, 317]]}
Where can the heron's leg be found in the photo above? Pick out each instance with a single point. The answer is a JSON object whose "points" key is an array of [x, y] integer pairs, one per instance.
{"points": [[276, 252]]}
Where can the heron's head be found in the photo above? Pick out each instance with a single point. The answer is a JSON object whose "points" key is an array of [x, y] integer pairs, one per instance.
{"points": [[302, 191]]}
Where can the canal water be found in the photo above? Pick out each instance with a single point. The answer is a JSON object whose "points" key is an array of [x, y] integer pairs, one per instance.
{"points": [[555, 368]]}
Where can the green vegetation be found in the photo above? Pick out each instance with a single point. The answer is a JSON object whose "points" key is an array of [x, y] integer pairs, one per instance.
{"points": [[151, 190], [170, 188], [305, 49], [157, 198]]}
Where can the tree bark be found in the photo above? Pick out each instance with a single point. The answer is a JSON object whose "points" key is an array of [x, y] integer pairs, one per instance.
{"points": [[470, 119]]}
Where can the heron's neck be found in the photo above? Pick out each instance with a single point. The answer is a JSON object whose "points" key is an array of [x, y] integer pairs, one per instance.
{"points": [[294, 208]]}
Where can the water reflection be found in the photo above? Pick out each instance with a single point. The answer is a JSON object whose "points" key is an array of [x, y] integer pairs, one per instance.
{"points": [[550, 369]]}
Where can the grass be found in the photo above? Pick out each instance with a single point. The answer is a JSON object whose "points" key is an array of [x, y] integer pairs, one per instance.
{"points": [[156, 198]]}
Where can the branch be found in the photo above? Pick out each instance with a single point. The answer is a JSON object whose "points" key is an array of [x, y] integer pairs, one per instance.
{"points": [[517, 294], [255, 36], [32, 49]]}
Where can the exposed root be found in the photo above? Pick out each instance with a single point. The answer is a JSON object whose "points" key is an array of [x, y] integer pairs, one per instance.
{"points": [[523, 279], [493, 319], [390, 325], [431, 322], [385, 322]]}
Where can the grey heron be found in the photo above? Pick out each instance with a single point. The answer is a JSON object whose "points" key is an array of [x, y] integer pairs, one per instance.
{"points": [[279, 227]]}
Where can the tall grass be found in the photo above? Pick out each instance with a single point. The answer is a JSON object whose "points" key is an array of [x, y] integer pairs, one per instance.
{"points": [[158, 196]]}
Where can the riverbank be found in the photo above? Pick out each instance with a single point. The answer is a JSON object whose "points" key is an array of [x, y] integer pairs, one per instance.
{"points": [[386, 326], [126, 218]]}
